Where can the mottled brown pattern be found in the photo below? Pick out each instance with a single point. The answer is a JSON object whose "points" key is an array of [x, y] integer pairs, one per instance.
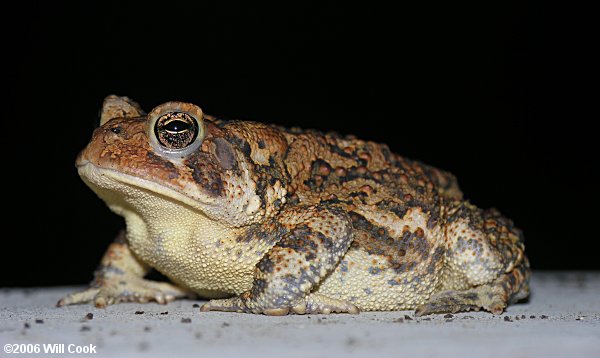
{"points": [[296, 221]]}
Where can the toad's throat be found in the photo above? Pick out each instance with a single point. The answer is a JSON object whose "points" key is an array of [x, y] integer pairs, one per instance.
{"points": [[169, 234], [150, 210]]}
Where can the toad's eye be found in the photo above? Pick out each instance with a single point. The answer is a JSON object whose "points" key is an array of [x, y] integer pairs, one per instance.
{"points": [[176, 130]]}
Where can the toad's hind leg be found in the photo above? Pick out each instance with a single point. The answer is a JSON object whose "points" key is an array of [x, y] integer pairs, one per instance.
{"points": [[312, 242], [485, 264], [493, 297]]}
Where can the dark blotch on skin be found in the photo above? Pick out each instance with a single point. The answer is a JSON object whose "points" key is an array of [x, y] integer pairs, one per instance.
{"points": [[206, 173], [339, 151], [374, 270], [376, 240], [437, 257], [394, 283], [154, 159], [310, 256], [301, 239], [268, 176], [259, 286], [242, 144], [266, 265]]}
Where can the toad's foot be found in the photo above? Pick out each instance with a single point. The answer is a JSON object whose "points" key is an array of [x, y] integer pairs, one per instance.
{"points": [[493, 297], [120, 278], [312, 304], [452, 302], [133, 289]]}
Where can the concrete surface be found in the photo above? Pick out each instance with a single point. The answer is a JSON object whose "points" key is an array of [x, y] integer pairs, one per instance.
{"points": [[561, 319]]}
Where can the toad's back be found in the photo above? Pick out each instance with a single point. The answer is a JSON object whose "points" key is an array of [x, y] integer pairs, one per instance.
{"points": [[361, 172]]}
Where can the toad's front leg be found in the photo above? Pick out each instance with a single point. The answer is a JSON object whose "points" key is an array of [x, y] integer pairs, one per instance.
{"points": [[120, 278], [312, 241]]}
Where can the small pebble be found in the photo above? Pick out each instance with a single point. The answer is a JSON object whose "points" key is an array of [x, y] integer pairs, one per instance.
{"points": [[195, 305], [85, 328], [407, 317], [532, 316], [139, 312], [89, 316], [449, 315], [144, 346], [523, 316], [507, 319], [225, 324], [26, 325], [186, 320], [39, 321], [543, 316], [468, 317], [165, 312]]}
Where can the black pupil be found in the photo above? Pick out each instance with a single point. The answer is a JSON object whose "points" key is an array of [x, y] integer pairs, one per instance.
{"points": [[177, 126]]}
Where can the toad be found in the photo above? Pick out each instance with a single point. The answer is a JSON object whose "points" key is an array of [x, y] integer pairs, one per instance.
{"points": [[264, 219]]}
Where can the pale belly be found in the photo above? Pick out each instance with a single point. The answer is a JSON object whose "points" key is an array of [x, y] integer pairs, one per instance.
{"points": [[364, 280], [212, 268]]}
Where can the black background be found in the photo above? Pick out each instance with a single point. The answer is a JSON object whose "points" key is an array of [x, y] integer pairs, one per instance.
{"points": [[495, 93]]}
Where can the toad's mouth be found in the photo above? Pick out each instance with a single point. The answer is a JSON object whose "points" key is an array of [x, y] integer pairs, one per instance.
{"points": [[108, 184], [136, 191]]}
